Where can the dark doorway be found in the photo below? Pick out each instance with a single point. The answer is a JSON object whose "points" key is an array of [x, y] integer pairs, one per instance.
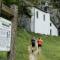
{"points": [[59, 31], [50, 32]]}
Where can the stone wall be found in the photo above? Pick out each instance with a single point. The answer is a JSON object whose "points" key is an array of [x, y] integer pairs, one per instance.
{"points": [[24, 22]]}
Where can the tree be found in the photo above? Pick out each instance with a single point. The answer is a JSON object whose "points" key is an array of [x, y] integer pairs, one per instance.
{"points": [[9, 2], [56, 3]]}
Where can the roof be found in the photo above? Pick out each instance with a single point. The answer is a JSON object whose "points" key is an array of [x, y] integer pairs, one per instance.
{"points": [[40, 9], [51, 19]]}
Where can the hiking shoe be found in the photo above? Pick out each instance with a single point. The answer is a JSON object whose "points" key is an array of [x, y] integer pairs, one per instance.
{"points": [[32, 51]]}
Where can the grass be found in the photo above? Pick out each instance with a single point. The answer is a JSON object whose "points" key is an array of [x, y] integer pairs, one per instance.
{"points": [[50, 48], [3, 56], [22, 43]]}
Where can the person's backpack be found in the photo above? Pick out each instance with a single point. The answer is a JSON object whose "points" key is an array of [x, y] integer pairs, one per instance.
{"points": [[33, 41]]}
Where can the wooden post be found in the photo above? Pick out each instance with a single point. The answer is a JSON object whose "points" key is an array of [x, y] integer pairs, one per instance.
{"points": [[14, 27]]}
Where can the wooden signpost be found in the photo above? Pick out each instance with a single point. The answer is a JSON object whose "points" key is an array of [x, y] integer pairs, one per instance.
{"points": [[8, 29]]}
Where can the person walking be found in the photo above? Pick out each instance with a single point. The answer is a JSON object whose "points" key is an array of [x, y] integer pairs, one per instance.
{"points": [[39, 43], [33, 43]]}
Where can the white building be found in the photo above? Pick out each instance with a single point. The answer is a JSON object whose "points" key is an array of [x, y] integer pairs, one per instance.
{"points": [[41, 23]]}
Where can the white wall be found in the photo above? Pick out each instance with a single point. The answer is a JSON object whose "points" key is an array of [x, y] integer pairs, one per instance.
{"points": [[32, 19], [38, 25], [41, 25], [54, 29]]}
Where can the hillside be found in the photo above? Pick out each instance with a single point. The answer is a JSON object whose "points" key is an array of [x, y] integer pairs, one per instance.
{"points": [[50, 49], [22, 43]]}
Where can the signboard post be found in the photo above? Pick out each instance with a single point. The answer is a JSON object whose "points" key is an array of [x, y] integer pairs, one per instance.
{"points": [[5, 34]]}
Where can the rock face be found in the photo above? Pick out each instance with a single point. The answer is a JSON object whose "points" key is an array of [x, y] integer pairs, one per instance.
{"points": [[55, 17], [25, 22]]}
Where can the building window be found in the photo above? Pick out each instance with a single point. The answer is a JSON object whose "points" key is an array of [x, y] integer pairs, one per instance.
{"points": [[44, 17], [50, 24], [50, 32], [37, 14]]}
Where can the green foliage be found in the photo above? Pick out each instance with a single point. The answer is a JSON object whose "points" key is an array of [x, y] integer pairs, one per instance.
{"points": [[50, 48], [8, 2], [35, 2], [22, 43], [56, 3], [3, 55]]}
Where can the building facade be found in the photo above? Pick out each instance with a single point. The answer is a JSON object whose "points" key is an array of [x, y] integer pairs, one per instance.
{"points": [[41, 23]]}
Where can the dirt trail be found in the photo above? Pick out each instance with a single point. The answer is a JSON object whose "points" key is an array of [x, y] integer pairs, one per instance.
{"points": [[33, 56]]}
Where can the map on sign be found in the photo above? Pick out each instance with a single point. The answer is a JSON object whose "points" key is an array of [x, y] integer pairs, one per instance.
{"points": [[5, 34]]}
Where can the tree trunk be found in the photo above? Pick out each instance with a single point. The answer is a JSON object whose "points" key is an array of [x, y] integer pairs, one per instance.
{"points": [[14, 28]]}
